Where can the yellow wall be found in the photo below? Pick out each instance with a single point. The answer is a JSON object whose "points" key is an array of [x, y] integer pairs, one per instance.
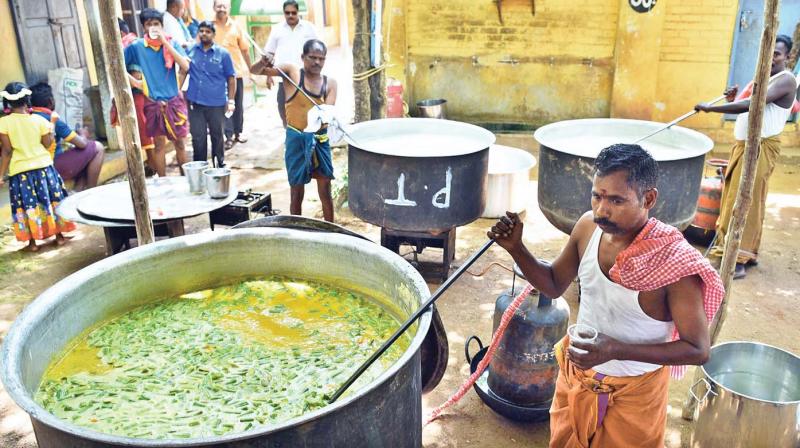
{"points": [[694, 58], [11, 68], [575, 59], [563, 57]]}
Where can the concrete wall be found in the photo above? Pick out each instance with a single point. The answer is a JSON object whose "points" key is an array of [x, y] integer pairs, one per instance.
{"points": [[529, 69], [11, 68], [572, 59], [694, 57]]}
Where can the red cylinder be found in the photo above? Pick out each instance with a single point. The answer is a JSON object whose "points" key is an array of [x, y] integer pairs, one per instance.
{"points": [[708, 203], [394, 100]]}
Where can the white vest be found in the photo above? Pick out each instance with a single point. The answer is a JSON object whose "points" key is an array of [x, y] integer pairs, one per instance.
{"points": [[614, 311], [774, 116]]}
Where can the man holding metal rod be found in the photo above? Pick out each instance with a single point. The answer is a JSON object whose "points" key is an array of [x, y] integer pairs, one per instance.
{"points": [[647, 297], [781, 92], [308, 154]]}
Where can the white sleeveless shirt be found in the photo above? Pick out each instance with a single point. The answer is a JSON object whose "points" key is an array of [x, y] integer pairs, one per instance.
{"points": [[614, 311], [774, 116]]}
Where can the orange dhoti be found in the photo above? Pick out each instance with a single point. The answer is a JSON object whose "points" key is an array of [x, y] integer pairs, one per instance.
{"points": [[591, 410]]}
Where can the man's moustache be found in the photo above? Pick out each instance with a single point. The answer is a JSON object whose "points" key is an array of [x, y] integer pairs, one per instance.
{"points": [[604, 222]]}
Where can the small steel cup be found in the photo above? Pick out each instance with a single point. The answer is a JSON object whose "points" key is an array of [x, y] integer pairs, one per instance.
{"points": [[581, 333], [218, 182], [194, 174]]}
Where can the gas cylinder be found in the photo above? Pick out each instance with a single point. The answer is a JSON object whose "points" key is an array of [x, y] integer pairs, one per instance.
{"points": [[703, 226], [394, 99], [524, 369]]}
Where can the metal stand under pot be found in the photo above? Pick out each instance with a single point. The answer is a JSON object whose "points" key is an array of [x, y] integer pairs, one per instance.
{"points": [[520, 381], [393, 239]]}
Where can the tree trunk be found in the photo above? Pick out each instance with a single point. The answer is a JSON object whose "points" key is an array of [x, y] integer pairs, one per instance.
{"points": [[361, 89]]}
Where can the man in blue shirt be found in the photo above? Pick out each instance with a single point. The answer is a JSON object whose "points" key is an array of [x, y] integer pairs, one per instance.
{"points": [[212, 86], [164, 109]]}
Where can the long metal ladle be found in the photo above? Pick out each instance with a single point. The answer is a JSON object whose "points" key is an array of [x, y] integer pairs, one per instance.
{"points": [[677, 120], [314, 225], [422, 309]]}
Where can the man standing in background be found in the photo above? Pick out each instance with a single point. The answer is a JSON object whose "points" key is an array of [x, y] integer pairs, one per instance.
{"points": [[230, 37], [285, 45], [211, 90], [781, 91], [164, 109], [173, 24]]}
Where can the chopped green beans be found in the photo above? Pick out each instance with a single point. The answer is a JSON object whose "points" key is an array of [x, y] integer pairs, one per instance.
{"points": [[218, 361]]}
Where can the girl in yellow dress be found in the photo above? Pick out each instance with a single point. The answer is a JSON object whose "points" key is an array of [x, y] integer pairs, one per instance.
{"points": [[34, 185]]}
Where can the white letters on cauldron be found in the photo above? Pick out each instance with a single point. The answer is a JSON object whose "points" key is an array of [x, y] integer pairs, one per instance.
{"points": [[441, 199], [401, 194], [444, 191]]}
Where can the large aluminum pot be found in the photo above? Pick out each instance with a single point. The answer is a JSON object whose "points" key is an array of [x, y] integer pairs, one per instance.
{"points": [[566, 158], [417, 174], [749, 398], [387, 412], [509, 177]]}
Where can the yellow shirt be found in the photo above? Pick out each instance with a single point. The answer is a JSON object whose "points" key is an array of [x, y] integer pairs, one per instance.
{"points": [[25, 132], [231, 38]]}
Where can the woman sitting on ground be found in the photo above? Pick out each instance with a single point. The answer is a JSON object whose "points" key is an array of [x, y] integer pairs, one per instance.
{"points": [[80, 163]]}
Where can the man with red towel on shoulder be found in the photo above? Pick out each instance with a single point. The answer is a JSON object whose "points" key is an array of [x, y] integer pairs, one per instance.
{"points": [[646, 291], [164, 109]]}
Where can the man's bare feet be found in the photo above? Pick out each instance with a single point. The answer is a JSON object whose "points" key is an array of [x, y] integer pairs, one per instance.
{"points": [[31, 247]]}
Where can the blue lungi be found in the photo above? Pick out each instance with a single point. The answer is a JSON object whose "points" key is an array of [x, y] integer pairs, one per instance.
{"points": [[307, 153]]}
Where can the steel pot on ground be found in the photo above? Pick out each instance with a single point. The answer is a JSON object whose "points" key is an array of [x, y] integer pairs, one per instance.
{"points": [[509, 177], [566, 159], [749, 398], [418, 174], [387, 412]]}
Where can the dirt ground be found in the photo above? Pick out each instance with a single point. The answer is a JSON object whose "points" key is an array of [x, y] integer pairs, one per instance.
{"points": [[760, 309]]}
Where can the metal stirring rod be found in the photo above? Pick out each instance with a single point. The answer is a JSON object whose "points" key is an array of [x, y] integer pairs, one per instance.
{"points": [[677, 120], [422, 309]]}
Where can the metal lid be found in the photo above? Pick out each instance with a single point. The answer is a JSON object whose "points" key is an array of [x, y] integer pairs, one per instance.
{"points": [[587, 137], [418, 137]]}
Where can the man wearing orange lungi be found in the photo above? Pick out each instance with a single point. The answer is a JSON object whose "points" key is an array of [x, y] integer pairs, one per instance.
{"points": [[648, 294]]}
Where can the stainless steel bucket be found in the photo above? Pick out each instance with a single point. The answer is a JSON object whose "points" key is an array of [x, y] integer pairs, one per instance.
{"points": [[194, 174], [218, 182], [509, 177], [434, 108], [386, 412], [748, 398]]}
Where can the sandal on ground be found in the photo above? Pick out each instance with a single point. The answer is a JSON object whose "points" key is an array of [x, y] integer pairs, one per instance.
{"points": [[739, 271], [229, 143], [240, 139]]}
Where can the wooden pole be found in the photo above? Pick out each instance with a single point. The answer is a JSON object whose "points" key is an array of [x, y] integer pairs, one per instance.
{"points": [[118, 81], [744, 196]]}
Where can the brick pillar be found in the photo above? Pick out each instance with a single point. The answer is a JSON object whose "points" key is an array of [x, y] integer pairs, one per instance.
{"points": [[636, 58]]}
